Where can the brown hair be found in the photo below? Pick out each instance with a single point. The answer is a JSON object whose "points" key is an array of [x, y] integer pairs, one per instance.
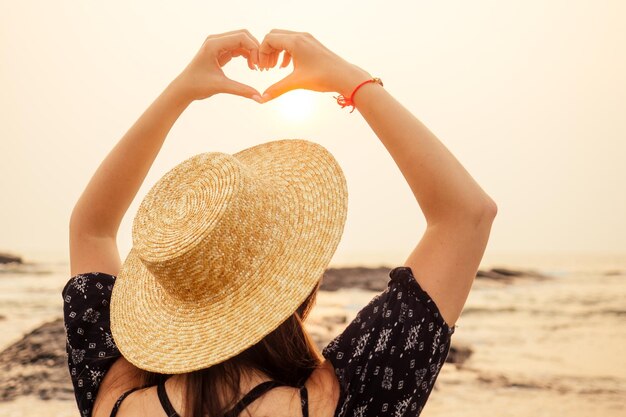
{"points": [[287, 355]]}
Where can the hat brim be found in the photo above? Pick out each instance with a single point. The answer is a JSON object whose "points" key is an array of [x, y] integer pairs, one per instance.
{"points": [[161, 334]]}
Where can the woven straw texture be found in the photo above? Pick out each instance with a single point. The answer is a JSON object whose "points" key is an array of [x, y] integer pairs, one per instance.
{"points": [[225, 248]]}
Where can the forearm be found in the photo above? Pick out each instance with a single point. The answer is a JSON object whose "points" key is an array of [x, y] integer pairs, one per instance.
{"points": [[442, 187], [102, 205]]}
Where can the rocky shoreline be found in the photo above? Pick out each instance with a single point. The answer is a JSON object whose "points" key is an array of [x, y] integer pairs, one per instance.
{"points": [[376, 279], [37, 365], [7, 258]]}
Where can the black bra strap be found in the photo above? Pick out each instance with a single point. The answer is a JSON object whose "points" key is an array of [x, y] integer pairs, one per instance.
{"points": [[120, 399], [165, 401], [304, 399], [252, 395]]}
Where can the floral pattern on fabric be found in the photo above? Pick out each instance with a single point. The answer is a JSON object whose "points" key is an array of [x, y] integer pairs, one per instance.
{"points": [[388, 358], [90, 348]]}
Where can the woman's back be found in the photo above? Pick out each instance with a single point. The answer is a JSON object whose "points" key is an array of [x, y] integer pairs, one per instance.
{"points": [[264, 398]]}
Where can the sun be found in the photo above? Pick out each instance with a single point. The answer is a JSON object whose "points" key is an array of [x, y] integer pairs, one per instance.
{"points": [[297, 105]]}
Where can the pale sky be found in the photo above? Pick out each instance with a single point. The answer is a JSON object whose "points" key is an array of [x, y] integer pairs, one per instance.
{"points": [[530, 96]]}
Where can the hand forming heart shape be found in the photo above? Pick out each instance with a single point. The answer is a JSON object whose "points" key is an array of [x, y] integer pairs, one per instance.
{"points": [[316, 68]]}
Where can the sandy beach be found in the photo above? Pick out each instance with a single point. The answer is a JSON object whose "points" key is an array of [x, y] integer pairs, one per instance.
{"points": [[535, 347]]}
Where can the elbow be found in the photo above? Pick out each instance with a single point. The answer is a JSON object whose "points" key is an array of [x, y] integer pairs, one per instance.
{"points": [[490, 209], [73, 223], [477, 213], [484, 212], [81, 225], [78, 225]]}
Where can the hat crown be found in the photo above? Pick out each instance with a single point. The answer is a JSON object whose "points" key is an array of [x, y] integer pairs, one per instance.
{"points": [[251, 235], [200, 221]]}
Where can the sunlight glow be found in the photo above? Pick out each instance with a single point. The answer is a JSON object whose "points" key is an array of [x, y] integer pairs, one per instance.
{"points": [[296, 105]]}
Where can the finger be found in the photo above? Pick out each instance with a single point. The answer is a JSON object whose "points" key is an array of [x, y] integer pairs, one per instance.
{"points": [[263, 60], [236, 41], [245, 31], [230, 86], [270, 60], [226, 55], [276, 42], [224, 58], [240, 52], [246, 54], [284, 31], [279, 88], [254, 58], [249, 55]]}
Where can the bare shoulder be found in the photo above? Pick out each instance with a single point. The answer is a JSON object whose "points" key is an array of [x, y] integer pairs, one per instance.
{"points": [[446, 259], [322, 390], [325, 390], [121, 377]]}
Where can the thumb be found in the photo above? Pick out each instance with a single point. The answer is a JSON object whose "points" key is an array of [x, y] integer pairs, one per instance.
{"points": [[234, 87], [281, 87]]}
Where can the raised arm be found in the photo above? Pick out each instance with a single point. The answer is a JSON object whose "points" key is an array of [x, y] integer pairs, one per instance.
{"points": [[99, 211], [458, 212], [97, 215], [443, 188], [102, 205]]}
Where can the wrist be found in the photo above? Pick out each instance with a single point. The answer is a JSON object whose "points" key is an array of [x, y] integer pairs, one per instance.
{"points": [[350, 78], [178, 91]]}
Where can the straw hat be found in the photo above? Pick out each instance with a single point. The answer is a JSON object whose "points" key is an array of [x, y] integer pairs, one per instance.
{"points": [[225, 248]]}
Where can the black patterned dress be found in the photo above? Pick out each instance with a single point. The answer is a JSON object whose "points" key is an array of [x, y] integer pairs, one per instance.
{"points": [[389, 356], [386, 360], [91, 350]]}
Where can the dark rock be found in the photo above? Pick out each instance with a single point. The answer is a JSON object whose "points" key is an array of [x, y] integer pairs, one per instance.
{"points": [[494, 276], [459, 353], [509, 275], [507, 272], [376, 279], [372, 279], [37, 365], [519, 273], [6, 258]]}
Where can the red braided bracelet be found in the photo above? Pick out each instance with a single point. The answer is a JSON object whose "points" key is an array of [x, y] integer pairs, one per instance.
{"points": [[343, 101]]}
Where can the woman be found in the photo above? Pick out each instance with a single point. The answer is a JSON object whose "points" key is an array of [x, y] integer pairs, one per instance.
{"points": [[387, 359]]}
